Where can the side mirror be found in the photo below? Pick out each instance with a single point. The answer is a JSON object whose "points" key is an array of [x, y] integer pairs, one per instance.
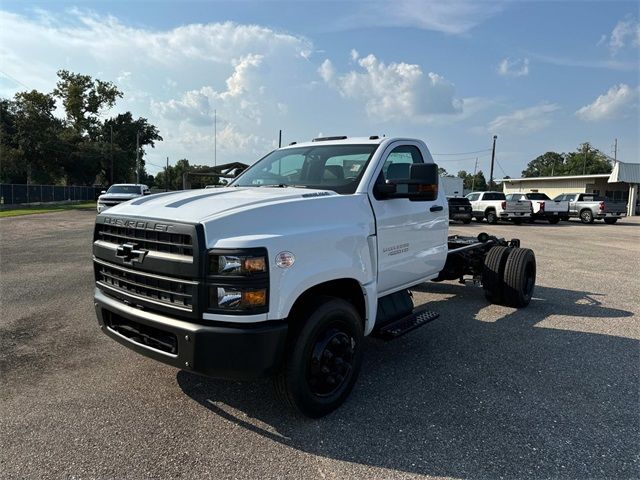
{"points": [[103, 192], [422, 184]]}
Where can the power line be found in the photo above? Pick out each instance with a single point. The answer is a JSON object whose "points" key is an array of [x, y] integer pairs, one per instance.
{"points": [[14, 79]]}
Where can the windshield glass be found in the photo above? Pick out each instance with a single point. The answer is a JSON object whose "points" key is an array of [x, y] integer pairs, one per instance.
{"points": [[124, 189], [327, 167], [538, 196]]}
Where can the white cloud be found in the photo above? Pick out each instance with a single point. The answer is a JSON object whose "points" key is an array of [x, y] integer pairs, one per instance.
{"points": [[174, 77], [617, 102], [518, 67], [525, 120], [326, 71], [395, 90], [448, 17], [625, 33]]}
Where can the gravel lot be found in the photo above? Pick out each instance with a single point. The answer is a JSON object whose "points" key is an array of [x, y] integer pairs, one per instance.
{"points": [[483, 392]]}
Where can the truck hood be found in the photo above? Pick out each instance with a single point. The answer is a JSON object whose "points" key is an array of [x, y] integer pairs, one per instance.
{"points": [[199, 205], [118, 197]]}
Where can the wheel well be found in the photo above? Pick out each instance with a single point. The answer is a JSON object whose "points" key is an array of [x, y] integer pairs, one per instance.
{"points": [[586, 209], [490, 209], [348, 289]]}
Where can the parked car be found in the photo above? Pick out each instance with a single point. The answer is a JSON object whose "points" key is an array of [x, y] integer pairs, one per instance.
{"points": [[542, 207], [460, 209], [494, 206], [120, 192], [589, 207]]}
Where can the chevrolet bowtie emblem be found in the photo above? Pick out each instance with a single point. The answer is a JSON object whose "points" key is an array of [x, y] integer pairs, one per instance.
{"points": [[130, 253]]}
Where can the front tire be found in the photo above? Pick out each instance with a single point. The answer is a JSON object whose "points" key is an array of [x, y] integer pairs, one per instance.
{"points": [[517, 221], [610, 221], [323, 359], [586, 216], [553, 220], [466, 221]]}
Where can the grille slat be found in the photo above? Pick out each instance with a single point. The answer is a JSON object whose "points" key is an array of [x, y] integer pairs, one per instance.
{"points": [[166, 291], [176, 243]]}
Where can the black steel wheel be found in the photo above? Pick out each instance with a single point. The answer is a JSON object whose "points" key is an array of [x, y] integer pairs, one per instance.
{"points": [[586, 216], [323, 358]]}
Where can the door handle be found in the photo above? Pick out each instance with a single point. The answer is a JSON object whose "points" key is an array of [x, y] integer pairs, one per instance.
{"points": [[436, 208]]}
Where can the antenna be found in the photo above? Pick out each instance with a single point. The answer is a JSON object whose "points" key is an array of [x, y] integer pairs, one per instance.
{"points": [[215, 138]]}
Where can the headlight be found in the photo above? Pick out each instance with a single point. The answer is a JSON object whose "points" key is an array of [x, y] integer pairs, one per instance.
{"points": [[238, 281], [237, 264], [233, 298]]}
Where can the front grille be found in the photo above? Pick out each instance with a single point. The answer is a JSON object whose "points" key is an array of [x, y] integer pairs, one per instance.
{"points": [[141, 334], [155, 289], [167, 242]]}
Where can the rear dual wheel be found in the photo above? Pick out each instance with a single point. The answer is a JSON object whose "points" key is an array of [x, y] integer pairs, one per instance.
{"points": [[509, 276]]}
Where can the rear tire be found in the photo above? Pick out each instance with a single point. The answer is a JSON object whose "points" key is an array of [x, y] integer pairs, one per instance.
{"points": [[493, 273], [479, 219], [517, 221], [610, 221], [586, 216], [466, 221], [323, 358], [553, 220], [519, 277], [492, 218]]}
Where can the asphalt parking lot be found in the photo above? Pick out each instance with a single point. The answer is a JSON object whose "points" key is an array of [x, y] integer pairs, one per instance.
{"points": [[551, 391]]}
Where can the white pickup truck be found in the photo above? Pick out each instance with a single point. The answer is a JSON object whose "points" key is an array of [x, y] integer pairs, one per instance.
{"points": [[284, 272], [543, 207], [494, 206]]}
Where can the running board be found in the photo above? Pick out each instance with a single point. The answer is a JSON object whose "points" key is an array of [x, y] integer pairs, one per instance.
{"points": [[416, 319]]}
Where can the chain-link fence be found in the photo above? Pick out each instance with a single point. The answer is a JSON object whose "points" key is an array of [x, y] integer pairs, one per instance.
{"points": [[15, 194]]}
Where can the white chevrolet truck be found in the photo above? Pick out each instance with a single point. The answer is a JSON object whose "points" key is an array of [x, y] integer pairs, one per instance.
{"points": [[494, 206], [284, 272]]}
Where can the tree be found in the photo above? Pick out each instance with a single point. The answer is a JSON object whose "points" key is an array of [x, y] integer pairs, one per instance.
{"points": [[84, 99], [124, 129], [30, 136], [443, 172], [586, 161], [471, 182], [546, 165]]}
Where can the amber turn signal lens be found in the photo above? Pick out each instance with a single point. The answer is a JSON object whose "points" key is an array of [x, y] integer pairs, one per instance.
{"points": [[254, 298], [254, 264]]}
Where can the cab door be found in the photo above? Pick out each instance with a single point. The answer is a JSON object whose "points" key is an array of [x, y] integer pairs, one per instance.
{"points": [[411, 235]]}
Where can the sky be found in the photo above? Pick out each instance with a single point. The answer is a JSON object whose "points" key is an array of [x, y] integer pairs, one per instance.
{"points": [[541, 75]]}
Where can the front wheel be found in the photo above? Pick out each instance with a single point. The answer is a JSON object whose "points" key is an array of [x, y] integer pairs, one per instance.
{"points": [[610, 221], [553, 220], [466, 221], [323, 358], [517, 221], [586, 216]]}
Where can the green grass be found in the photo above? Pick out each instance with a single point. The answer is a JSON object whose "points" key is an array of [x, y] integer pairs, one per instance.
{"points": [[47, 209]]}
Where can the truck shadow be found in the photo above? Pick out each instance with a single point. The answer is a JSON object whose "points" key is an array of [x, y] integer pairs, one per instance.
{"points": [[462, 397]]}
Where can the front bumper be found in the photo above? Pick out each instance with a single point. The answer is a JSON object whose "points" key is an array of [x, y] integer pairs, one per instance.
{"points": [[238, 351]]}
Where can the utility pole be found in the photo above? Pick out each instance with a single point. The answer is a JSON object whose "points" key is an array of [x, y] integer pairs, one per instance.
{"points": [[493, 157], [111, 128], [215, 138], [473, 179], [615, 149], [584, 163], [166, 177], [138, 157], [280, 139]]}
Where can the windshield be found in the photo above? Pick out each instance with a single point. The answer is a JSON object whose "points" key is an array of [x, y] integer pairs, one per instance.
{"points": [[537, 196], [124, 189], [327, 167]]}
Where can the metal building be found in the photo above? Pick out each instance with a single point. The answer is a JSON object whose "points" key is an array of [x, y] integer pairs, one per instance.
{"points": [[621, 185]]}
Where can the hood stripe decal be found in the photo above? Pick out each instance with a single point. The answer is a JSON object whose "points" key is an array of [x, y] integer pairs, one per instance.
{"points": [[184, 201], [154, 197]]}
